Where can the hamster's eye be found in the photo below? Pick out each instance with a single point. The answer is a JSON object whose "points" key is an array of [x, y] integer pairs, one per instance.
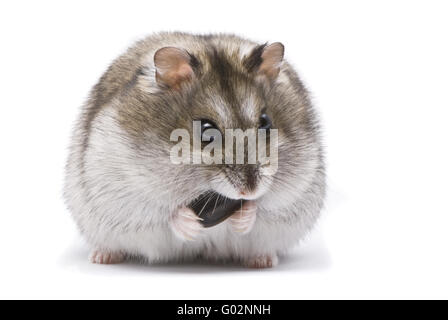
{"points": [[206, 135], [265, 122]]}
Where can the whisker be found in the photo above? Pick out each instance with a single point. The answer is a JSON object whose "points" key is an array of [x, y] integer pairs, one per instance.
{"points": [[215, 204], [199, 214]]}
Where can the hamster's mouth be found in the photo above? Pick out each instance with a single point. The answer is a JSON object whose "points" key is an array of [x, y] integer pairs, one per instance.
{"points": [[214, 208]]}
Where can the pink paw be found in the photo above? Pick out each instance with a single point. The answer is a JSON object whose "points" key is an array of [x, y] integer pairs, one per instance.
{"points": [[105, 257], [262, 261], [243, 220], [186, 224]]}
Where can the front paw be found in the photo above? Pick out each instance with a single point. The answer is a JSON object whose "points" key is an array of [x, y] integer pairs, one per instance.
{"points": [[243, 220], [186, 225]]}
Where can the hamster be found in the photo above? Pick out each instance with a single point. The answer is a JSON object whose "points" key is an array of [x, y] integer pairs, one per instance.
{"points": [[128, 198]]}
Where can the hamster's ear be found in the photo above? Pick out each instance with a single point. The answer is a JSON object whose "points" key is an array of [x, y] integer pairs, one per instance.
{"points": [[266, 60], [173, 67]]}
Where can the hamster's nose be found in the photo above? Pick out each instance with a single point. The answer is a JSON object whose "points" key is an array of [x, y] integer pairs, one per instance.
{"points": [[248, 195], [245, 179]]}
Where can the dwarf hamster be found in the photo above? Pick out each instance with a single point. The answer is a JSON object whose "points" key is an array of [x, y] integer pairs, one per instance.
{"points": [[130, 200]]}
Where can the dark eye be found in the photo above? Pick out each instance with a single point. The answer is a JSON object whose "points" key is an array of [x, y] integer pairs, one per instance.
{"points": [[206, 135], [265, 122]]}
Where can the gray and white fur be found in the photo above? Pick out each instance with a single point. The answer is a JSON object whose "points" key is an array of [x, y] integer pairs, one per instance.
{"points": [[129, 200]]}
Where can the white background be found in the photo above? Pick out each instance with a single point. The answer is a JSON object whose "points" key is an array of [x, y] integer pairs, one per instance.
{"points": [[378, 71]]}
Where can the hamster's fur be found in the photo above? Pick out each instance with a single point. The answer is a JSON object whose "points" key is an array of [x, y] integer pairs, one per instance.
{"points": [[129, 200]]}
